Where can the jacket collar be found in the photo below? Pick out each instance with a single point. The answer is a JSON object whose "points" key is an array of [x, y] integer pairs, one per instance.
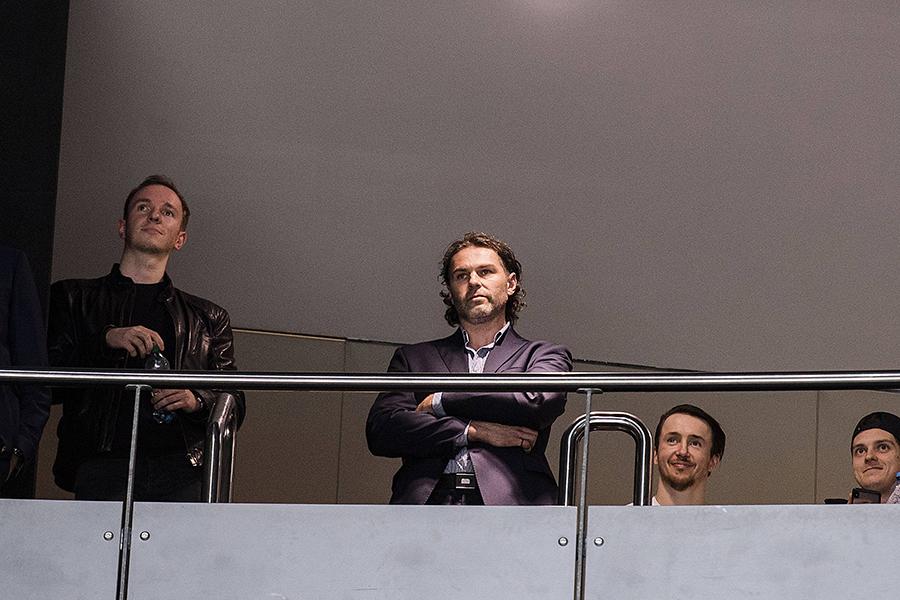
{"points": [[452, 352], [504, 350], [116, 278]]}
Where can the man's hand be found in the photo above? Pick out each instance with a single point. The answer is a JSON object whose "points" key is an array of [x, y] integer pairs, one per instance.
{"points": [[137, 340], [425, 405], [502, 436], [172, 400]]}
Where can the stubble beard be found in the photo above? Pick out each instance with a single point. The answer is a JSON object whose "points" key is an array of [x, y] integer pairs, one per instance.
{"points": [[678, 484], [482, 313]]}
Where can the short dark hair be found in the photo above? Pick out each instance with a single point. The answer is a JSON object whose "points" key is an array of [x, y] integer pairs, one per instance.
{"points": [[163, 181], [516, 301], [718, 439]]}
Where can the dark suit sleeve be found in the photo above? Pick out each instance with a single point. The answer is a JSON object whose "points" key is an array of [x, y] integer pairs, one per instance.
{"points": [[27, 349], [395, 429], [536, 410]]}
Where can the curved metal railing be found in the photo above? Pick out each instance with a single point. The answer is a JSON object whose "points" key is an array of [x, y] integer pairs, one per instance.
{"points": [[218, 464], [607, 421]]}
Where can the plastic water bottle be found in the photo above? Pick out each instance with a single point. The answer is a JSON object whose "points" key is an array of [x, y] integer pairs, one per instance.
{"points": [[157, 362], [895, 493]]}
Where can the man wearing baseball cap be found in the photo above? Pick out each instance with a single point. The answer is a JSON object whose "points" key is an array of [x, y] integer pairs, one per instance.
{"points": [[875, 451]]}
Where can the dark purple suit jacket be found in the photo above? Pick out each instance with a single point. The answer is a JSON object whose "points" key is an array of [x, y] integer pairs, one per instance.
{"points": [[426, 442]]}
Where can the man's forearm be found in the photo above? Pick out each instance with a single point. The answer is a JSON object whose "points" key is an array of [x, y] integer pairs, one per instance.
{"points": [[395, 429], [528, 409]]}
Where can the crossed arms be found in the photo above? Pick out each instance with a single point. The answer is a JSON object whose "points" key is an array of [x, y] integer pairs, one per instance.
{"points": [[402, 424]]}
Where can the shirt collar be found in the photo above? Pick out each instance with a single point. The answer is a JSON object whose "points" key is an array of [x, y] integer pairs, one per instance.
{"points": [[497, 337]]}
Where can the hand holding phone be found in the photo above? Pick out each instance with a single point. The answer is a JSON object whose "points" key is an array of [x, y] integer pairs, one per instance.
{"points": [[864, 496]]}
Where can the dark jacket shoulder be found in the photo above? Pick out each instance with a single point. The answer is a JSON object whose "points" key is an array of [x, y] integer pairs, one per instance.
{"points": [[201, 305]]}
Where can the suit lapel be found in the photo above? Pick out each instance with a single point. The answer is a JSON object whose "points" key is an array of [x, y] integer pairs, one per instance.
{"points": [[452, 353], [503, 351]]}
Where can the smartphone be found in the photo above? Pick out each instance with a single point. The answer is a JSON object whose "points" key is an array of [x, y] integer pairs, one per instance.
{"points": [[864, 496]]}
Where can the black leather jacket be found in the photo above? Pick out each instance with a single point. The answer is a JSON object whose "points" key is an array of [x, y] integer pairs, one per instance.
{"points": [[81, 312]]}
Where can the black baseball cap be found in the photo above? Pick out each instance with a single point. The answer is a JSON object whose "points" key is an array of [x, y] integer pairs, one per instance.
{"points": [[879, 420]]}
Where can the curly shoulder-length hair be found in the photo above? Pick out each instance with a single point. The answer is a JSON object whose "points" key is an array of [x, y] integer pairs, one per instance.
{"points": [[516, 301]]}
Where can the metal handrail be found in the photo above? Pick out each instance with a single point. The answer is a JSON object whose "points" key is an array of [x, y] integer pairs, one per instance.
{"points": [[220, 441], [607, 421], [666, 381], [222, 429]]}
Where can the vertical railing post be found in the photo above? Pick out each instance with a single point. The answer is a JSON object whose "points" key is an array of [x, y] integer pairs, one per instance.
{"points": [[581, 532], [219, 450], [643, 461], [210, 486], [227, 465], [128, 503]]}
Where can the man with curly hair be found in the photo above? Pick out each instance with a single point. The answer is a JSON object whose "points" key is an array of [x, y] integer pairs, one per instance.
{"points": [[473, 447]]}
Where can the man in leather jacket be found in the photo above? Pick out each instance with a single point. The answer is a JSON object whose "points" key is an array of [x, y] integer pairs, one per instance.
{"points": [[117, 321]]}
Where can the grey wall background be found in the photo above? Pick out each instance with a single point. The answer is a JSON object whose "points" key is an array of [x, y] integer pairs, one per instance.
{"points": [[706, 185]]}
